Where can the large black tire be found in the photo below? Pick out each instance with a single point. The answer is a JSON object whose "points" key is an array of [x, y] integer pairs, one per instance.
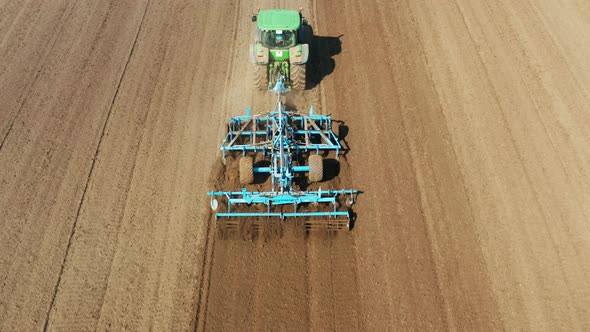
{"points": [[305, 34], [259, 77], [316, 168], [298, 76], [246, 170]]}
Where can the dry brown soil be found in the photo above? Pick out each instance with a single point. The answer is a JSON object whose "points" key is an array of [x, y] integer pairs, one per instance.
{"points": [[469, 132]]}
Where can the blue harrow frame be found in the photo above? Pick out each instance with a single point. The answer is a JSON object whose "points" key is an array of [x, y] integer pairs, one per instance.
{"points": [[282, 137]]}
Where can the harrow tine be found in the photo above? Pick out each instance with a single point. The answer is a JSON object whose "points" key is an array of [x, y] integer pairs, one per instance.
{"points": [[269, 229]]}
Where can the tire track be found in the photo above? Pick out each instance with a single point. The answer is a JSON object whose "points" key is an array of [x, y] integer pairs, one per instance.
{"points": [[38, 68], [92, 168], [344, 291], [206, 267], [398, 281], [209, 251], [29, 88], [347, 310], [86, 277]]}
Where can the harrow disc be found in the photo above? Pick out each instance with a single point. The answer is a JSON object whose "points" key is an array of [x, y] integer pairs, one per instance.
{"points": [[275, 229]]}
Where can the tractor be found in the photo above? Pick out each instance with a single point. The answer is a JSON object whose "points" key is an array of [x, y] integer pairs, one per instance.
{"points": [[280, 49]]}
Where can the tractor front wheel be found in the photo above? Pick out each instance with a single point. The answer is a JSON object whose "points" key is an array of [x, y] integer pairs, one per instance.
{"points": [[298, 76]]}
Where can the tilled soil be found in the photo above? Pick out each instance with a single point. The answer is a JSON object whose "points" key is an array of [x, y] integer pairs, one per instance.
{"points": [[468, 131]]}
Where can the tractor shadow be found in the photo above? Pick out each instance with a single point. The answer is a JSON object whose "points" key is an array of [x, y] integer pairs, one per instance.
{"points": [[321, 63]]}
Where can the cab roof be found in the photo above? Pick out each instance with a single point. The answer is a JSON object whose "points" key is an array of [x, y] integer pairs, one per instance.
{"points": [[278, 19]]}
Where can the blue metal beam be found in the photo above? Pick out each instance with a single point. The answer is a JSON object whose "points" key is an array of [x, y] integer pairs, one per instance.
{"points": [[282, 215]]}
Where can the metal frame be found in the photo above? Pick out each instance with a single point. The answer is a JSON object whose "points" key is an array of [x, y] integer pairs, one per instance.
{"points": [[293, 198], [257, 133], [281, 135]]}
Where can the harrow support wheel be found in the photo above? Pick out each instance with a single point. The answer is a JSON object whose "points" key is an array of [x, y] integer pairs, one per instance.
{"points": [[246, 170], [259, 77], [298, 76], [316, 168]]}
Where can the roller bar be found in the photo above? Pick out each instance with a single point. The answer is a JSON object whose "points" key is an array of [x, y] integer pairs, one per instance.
{"points": [[282, 215]]}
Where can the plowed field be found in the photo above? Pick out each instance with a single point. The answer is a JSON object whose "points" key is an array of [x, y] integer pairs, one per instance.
{"points": [[468, 124]]}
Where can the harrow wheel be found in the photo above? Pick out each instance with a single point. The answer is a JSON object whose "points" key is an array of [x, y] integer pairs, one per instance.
{"points": [[298, 74], [246, 170], [259, 77], [316, 168]]}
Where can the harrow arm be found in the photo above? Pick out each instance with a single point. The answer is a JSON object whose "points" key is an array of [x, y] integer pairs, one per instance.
{"points": [[270, 199]]}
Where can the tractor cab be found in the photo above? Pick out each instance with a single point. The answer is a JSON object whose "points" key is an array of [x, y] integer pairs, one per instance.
{"points": [[280, 48], [279, 28]]}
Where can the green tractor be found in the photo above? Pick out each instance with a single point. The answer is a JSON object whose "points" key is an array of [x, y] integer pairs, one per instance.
{"points": [[280, 48]]}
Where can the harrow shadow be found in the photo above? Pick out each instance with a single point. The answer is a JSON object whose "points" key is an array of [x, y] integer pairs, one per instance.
{"points": [[331, 169], [342, 133]]}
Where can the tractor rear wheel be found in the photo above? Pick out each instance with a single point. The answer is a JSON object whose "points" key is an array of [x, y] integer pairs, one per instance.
{"points": [[316, 168], [259, 77], [246, 170], [298, 76]]}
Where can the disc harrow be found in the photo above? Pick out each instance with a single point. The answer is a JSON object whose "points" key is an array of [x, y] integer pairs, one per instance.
{"points": [[291, 145]]}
